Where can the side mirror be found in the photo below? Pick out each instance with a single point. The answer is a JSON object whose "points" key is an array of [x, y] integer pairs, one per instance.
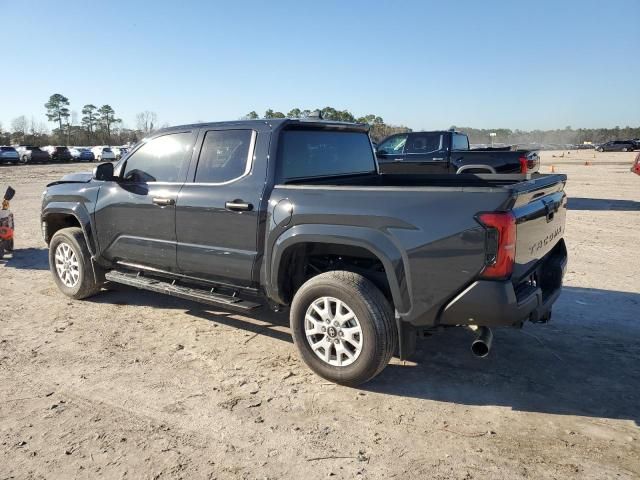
{"points": [[103, 172]]}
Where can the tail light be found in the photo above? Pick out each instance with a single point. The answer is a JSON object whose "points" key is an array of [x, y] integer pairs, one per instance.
{"points": [[529, 164], [523, 164], [500, 244]]}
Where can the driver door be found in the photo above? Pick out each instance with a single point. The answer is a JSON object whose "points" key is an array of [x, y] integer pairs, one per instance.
{"points": [[135, 215]]}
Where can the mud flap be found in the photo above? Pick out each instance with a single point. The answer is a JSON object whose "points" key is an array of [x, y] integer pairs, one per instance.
{"points": [[407, 336]]}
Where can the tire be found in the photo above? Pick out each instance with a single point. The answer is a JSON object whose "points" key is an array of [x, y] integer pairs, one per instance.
{"points": [[599, 149], [84, 285], [24, 160], [372, 313], [625, 149]]}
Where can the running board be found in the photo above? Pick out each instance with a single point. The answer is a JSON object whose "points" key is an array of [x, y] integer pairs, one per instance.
{"points": [[169, 287]]}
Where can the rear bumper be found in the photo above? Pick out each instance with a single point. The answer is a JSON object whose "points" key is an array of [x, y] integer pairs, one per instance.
{"points": [[500, 304]]}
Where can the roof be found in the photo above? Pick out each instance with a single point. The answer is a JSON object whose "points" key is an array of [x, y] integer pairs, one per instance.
{"points": [[271, 124]]}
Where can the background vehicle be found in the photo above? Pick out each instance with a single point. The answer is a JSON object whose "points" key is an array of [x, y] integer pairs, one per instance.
{"points": [[294, 213], [448, 152], [81, 154], [31, 154], [120, 152], [616, 146], [58, 153], [8, 155], [103, 153]]}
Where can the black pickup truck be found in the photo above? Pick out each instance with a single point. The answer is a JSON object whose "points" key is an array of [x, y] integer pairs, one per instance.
{"points": [[448, 152], [295, 214]]}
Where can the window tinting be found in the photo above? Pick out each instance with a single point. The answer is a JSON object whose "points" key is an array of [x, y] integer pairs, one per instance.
{"points": [[460, 142], [393, 146], [224, 155], [160, 159], [425, 143], [318, 153]]}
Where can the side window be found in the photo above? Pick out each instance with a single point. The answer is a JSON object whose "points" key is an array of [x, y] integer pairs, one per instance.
{"points": [[225, 156], [393, 146], [161, 159], [425, 143], [460, 142]]}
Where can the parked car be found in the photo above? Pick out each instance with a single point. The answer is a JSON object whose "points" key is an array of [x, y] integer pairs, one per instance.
{"points": [[81, 154], [636, 144], [449, 152], [58, 153], [120, 152], [616, 146], [32, 154], [294, 213], [9, 155], [103, 153]]}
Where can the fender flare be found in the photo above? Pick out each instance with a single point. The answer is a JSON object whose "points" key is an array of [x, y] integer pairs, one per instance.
{"points": [[81, 214], [375, 241]]}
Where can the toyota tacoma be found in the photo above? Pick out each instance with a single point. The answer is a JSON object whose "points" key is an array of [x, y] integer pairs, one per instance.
{"points": [[295, 214]]}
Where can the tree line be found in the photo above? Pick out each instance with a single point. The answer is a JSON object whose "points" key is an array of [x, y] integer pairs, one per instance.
{"points": [[98, 125], [379, 129], [557, 137]]}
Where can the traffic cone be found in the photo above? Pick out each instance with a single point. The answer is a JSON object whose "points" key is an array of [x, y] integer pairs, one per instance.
{"points": [[587, 164], [553, 169]]}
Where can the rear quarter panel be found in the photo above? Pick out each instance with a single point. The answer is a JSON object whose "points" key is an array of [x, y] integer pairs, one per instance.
{"points": [[438, 245]]}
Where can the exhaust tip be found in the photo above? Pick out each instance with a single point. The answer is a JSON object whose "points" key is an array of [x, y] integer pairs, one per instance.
{"points": [[480, 349], [481, 346]]}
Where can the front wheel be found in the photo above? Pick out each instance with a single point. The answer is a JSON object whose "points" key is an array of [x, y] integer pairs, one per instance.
{"points": [[70, 264], [24, 159], [625, 149], [599, 149], [343, 327]]}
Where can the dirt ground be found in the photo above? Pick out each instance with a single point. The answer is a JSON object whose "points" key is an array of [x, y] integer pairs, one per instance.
{"points": [[136, 385]]}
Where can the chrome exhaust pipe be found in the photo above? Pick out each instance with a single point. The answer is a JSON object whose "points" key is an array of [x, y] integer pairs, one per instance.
{"points": [[481, 346]]}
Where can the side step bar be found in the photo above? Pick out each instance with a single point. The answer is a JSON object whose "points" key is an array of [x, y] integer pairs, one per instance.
{"points": [[169, 287]]}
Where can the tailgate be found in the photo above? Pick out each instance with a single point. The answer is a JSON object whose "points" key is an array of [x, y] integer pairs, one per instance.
{"points": [[540, 209]]}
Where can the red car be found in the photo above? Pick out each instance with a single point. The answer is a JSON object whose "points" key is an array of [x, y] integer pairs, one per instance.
{"points": [[635, 168]]}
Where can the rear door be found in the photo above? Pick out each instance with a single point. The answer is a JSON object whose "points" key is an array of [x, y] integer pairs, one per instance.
{"points": [[135, 215], [217, 212]]}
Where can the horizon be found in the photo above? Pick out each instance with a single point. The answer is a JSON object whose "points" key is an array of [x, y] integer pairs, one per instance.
{"points": [[514, 66]]}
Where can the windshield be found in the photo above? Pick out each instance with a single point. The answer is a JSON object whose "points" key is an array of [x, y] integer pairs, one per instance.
{"points": [[320, 153]]}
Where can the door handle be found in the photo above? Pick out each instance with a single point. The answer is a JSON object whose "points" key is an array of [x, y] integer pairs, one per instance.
{"points": [[163, 202], [238, 206]]}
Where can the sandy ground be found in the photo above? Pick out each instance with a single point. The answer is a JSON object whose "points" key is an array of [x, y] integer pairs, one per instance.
{"points": [[137, 385]]}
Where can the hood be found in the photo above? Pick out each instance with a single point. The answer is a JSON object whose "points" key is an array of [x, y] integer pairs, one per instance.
{"points": [[81, 177]]}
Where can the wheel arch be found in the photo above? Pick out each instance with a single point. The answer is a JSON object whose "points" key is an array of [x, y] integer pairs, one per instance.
{"points": [[358, 240], [56, 216]]}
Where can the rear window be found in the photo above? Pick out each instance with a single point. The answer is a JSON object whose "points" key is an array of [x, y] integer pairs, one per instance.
{"points": [[321, 153], [35, 149], [106, 149], [61, 149]]}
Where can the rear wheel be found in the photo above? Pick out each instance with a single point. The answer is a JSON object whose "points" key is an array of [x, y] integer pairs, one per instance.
{"points": [[343, 327], [625, 149], [70, 264], [24, 159]]}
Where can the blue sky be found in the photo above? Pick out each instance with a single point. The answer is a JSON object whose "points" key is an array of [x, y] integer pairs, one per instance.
{"points": [[514, 64]]}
